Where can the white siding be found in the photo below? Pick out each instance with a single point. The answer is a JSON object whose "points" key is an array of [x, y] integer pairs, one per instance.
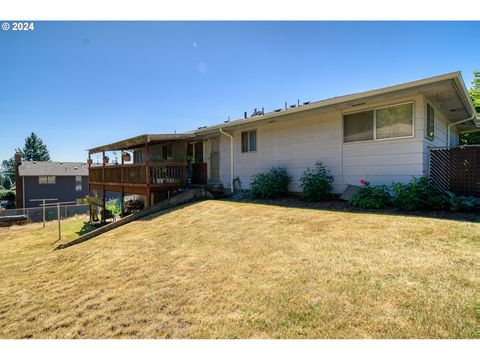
{"points": [[295, 144], [299, 142], [385, 161], [440, 133]]}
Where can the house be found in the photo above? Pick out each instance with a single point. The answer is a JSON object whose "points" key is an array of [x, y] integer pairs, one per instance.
{"points": [[381, 135], [62, 181]]}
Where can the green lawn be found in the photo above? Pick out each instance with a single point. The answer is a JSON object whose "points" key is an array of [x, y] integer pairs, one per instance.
{"points": [[220, 269]]}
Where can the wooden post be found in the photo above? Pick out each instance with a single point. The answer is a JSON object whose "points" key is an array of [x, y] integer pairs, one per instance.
{"points": [[103, 166], [147, 197], [147, 168], [103, 218], [43, 205], [59, 227], [123, 200]]}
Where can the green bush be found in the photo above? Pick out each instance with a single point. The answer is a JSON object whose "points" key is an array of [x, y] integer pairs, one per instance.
{"points": [[371, 197], [317, 183], [418, 194], [461, 203], [7, 195], [270, 185]]}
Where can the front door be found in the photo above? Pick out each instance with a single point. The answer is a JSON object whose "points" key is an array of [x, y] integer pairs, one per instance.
{"points": [[215, 159]]}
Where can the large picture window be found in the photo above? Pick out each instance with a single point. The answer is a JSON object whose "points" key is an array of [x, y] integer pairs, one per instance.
{"points": [[378, 124], [249, 141]]}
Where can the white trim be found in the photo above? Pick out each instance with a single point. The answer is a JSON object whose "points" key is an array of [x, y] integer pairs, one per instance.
{"points": [[375, 123], [425, 130], [248, 138], [337, 101]]}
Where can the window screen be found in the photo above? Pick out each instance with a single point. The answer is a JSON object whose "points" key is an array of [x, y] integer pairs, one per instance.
{"points": [[394, 121], [358, 126], [249, 141]]}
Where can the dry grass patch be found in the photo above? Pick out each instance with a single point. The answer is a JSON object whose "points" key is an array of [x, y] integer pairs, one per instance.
{"points": [[219, 269]]}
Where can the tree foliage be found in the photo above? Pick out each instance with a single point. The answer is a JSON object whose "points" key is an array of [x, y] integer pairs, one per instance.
{"points": [[34, 149], [474, 137], [8, 172], [475, 90]]}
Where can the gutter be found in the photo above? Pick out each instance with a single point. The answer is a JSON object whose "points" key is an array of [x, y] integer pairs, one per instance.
{"points": [[231, 155], [457, 123]]}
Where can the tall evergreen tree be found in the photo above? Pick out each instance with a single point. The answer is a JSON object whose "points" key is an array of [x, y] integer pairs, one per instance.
{"points": [[34, 149]]}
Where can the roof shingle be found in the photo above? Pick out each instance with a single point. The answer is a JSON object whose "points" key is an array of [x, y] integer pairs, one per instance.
{"points": [[42, 168]]}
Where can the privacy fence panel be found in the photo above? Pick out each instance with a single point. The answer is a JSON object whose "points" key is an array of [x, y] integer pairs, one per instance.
{"points": [[456, 169]]}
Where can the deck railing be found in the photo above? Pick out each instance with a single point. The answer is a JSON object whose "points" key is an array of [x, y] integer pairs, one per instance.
{"points": [[155, 174]]}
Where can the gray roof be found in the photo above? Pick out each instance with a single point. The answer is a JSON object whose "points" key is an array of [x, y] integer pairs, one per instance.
{"points": [[40, 168]]}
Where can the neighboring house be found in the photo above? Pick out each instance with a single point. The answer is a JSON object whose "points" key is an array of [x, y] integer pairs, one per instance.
{"points": [[63, 181], [381, 135]]}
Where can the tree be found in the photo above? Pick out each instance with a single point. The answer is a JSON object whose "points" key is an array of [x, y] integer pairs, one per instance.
{"points": [[34, 149], [475, 90], [473, 137], [8, 172]]}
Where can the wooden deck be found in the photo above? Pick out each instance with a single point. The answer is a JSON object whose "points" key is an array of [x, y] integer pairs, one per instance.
{"points": [[143, 178]]}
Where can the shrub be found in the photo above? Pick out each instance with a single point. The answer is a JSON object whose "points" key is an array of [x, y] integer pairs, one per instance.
{"points": [[461, 203], [316, 183], [7, 195], [270, 185], [371, 197], [418, 194]]}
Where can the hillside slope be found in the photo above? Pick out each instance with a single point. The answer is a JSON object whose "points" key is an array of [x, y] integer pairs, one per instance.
{"points": [[219, 269]]}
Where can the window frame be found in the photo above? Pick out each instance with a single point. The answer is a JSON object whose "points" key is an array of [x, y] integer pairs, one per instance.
{"points": [[427, 126], [47, 179], [374, 109], [247, 132], [78, 183]]}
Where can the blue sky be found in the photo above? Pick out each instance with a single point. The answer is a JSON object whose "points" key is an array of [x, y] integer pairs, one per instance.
{"points": [[83, 84]]}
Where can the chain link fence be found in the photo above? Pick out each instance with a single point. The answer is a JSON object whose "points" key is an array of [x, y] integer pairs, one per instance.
{"points": [[35, 214]]}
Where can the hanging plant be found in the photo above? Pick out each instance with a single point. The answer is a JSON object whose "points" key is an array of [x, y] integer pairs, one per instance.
{"points": [[126, 156]]}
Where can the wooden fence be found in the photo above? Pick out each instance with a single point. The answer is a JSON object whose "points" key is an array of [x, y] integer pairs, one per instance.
{"points": [[456, 169]]}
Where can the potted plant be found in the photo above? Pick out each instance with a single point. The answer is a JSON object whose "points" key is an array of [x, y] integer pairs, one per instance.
{"points": [[126, 156]]}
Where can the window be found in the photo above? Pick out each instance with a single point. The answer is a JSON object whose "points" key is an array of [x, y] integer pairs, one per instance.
{"points": [[430, 125], [167, 152], [379, 124], [249, 141], [358, 126], [46, 179], [78, 183]]}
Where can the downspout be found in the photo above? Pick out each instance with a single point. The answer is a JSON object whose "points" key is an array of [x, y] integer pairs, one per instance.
{"points": [[456, 123], [231, 157]]}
